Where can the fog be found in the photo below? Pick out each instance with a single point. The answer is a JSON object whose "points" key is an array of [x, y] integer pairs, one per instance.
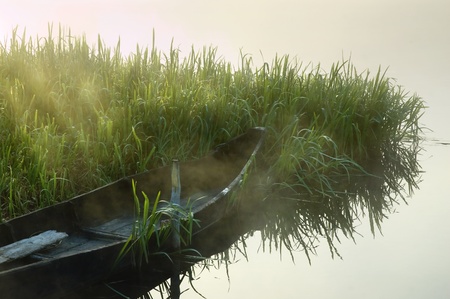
{"points": [[408, 38]]}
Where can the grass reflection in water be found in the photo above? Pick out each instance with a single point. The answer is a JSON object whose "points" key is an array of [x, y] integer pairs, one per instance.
{"points": [[296, 219]]}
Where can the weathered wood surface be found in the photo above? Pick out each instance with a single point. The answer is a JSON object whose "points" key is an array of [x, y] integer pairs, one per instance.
{"points": [[30, 245]]}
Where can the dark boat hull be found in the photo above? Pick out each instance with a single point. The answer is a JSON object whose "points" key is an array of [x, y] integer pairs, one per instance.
{"points": [[215, 239], [99, 222]]}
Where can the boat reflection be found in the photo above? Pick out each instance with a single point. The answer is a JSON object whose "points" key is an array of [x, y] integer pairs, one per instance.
{"points": [[286, 217]]}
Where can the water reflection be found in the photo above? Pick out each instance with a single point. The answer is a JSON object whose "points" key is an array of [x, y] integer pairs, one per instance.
{"points": [[287, 218]]}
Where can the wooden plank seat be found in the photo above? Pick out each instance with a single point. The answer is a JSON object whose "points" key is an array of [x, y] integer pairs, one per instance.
{"points": [[28, 246]]}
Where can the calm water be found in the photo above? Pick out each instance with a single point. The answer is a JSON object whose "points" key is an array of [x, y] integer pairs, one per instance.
{"points": [[410, 259]]}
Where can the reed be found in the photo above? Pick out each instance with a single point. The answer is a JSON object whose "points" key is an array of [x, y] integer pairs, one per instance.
{"points": [[74, 117], [153, 223]]}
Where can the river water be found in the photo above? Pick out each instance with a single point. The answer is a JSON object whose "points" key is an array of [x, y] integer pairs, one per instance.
{"points": [[411, 38]]}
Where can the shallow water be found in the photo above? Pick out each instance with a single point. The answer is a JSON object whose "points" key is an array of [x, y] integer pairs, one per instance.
{"points": [[410, 259]]}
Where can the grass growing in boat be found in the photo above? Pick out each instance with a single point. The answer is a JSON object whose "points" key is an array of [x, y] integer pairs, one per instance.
{"points": [[153, 223], [74, 117]]}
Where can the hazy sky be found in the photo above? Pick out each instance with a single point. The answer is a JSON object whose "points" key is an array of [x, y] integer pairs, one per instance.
{"points": [[409, 37]]}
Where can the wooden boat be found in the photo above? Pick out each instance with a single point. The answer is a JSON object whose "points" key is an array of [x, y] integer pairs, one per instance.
{"points": [[90, 230], [217, 238]]}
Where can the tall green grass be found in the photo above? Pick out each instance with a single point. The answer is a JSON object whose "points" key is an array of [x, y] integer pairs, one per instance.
{"points": [[74, 117], [152, 229]]}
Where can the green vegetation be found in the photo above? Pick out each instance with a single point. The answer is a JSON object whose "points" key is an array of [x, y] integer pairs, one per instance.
{"points": [[74, 117], [153, 223]]}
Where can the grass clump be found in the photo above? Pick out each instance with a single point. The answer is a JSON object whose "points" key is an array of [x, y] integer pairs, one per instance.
{"points": [[152, 228], [74, 117]]}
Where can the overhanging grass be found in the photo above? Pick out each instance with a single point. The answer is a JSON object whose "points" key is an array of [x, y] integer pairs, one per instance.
{"points": [[75, 117]]}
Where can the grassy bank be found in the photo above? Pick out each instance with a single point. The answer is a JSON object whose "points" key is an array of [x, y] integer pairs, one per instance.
{"points": [[74, 117]]}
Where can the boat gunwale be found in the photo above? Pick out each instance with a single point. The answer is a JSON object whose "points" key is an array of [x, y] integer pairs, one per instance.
{"points": [[224, 192]]}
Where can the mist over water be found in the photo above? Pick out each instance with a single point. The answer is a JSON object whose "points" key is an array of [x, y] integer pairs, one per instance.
{"points": [[410, 38]]}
